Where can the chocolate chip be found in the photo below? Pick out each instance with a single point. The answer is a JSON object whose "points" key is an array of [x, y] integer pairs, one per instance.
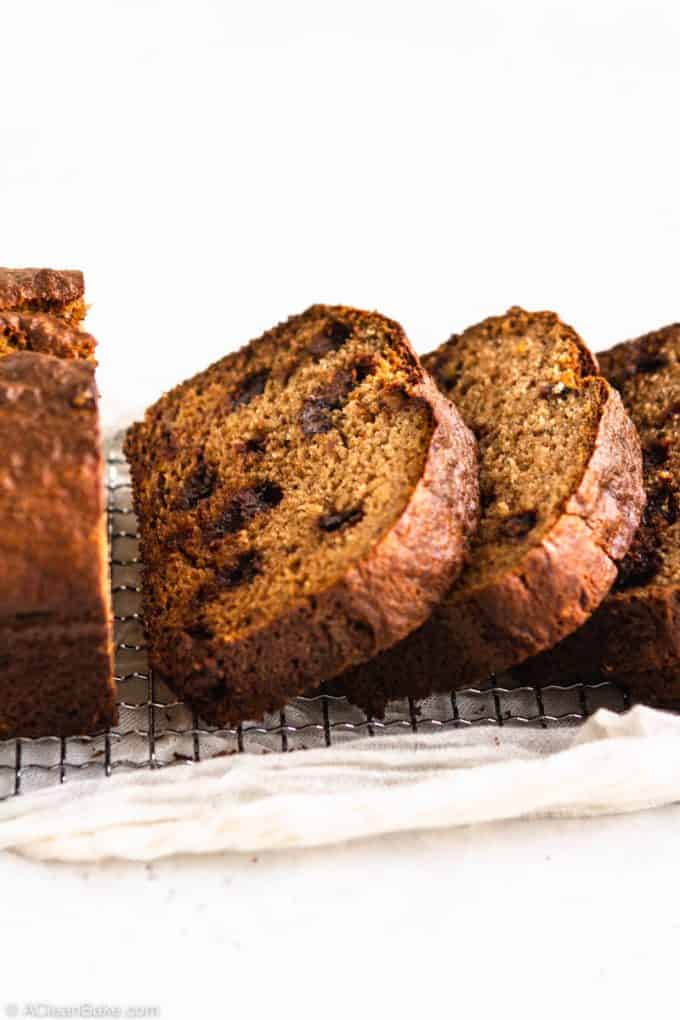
{"points": [[315, 416], [518, 525], [244, 505], [331, 338], [316, 410], [650, 362], [337, 519], [228, 522], [198, 486], [250, 387], [656, 453], [243, 570], [255, 444], [362, 368], [338, 332], [269, 493], [640, 565], [339, 388]]}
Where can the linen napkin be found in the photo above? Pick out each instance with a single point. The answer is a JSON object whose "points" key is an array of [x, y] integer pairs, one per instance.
{"points": [[390, 783]]}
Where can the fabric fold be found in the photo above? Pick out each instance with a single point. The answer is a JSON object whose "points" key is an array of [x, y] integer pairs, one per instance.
{"points": [[253, 803]]}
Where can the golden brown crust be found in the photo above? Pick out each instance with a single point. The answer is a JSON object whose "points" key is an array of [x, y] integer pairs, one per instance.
{"points": [[55, 632], [479, 631], [563, 579], [57, 291], [381, 596], [636, 631], [406, 572]]}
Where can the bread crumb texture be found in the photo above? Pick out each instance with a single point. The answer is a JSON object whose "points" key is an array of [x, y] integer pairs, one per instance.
{"points": [[262, 481], [523, 383]]}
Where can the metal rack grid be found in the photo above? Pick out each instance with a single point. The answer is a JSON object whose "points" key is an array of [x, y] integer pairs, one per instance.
{"points": [[157, 730]]}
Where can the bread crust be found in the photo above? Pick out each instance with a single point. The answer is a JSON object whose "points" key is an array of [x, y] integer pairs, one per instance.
{"points": [[55, 631], [49, 290], [636, 631], [380, 598], [561, 580]]}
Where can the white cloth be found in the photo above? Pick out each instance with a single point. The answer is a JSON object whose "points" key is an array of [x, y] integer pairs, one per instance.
{"points": [[613, 763]]}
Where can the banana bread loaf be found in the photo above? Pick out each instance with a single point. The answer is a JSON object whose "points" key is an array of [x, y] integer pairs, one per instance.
{"points": [[302, 504], [636, 631], [55, 633], [561, 495]]}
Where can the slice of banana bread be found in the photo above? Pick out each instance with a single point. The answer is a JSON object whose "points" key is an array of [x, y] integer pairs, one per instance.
{"points": [[636, 631], [55, 633], [44, 334], [59, 292], [302, 503], [561, 496]]}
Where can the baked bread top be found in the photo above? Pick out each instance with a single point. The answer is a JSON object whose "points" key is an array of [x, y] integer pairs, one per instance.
{"points": [[561, 495], [303, 503], [637, 628], [59, 292]]}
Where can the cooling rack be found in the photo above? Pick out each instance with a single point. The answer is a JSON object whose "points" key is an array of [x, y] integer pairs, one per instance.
{"points": [[156, 730]]}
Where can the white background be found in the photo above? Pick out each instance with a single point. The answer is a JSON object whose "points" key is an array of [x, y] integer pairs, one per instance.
{"points": [[214, 167]]}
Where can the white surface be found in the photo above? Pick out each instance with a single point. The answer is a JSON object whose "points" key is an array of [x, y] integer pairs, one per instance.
{"points": [[219, 161], [543, 919]]}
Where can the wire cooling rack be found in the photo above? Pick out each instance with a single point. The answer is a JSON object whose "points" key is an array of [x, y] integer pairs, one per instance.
{"points": [[156, 730]]}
